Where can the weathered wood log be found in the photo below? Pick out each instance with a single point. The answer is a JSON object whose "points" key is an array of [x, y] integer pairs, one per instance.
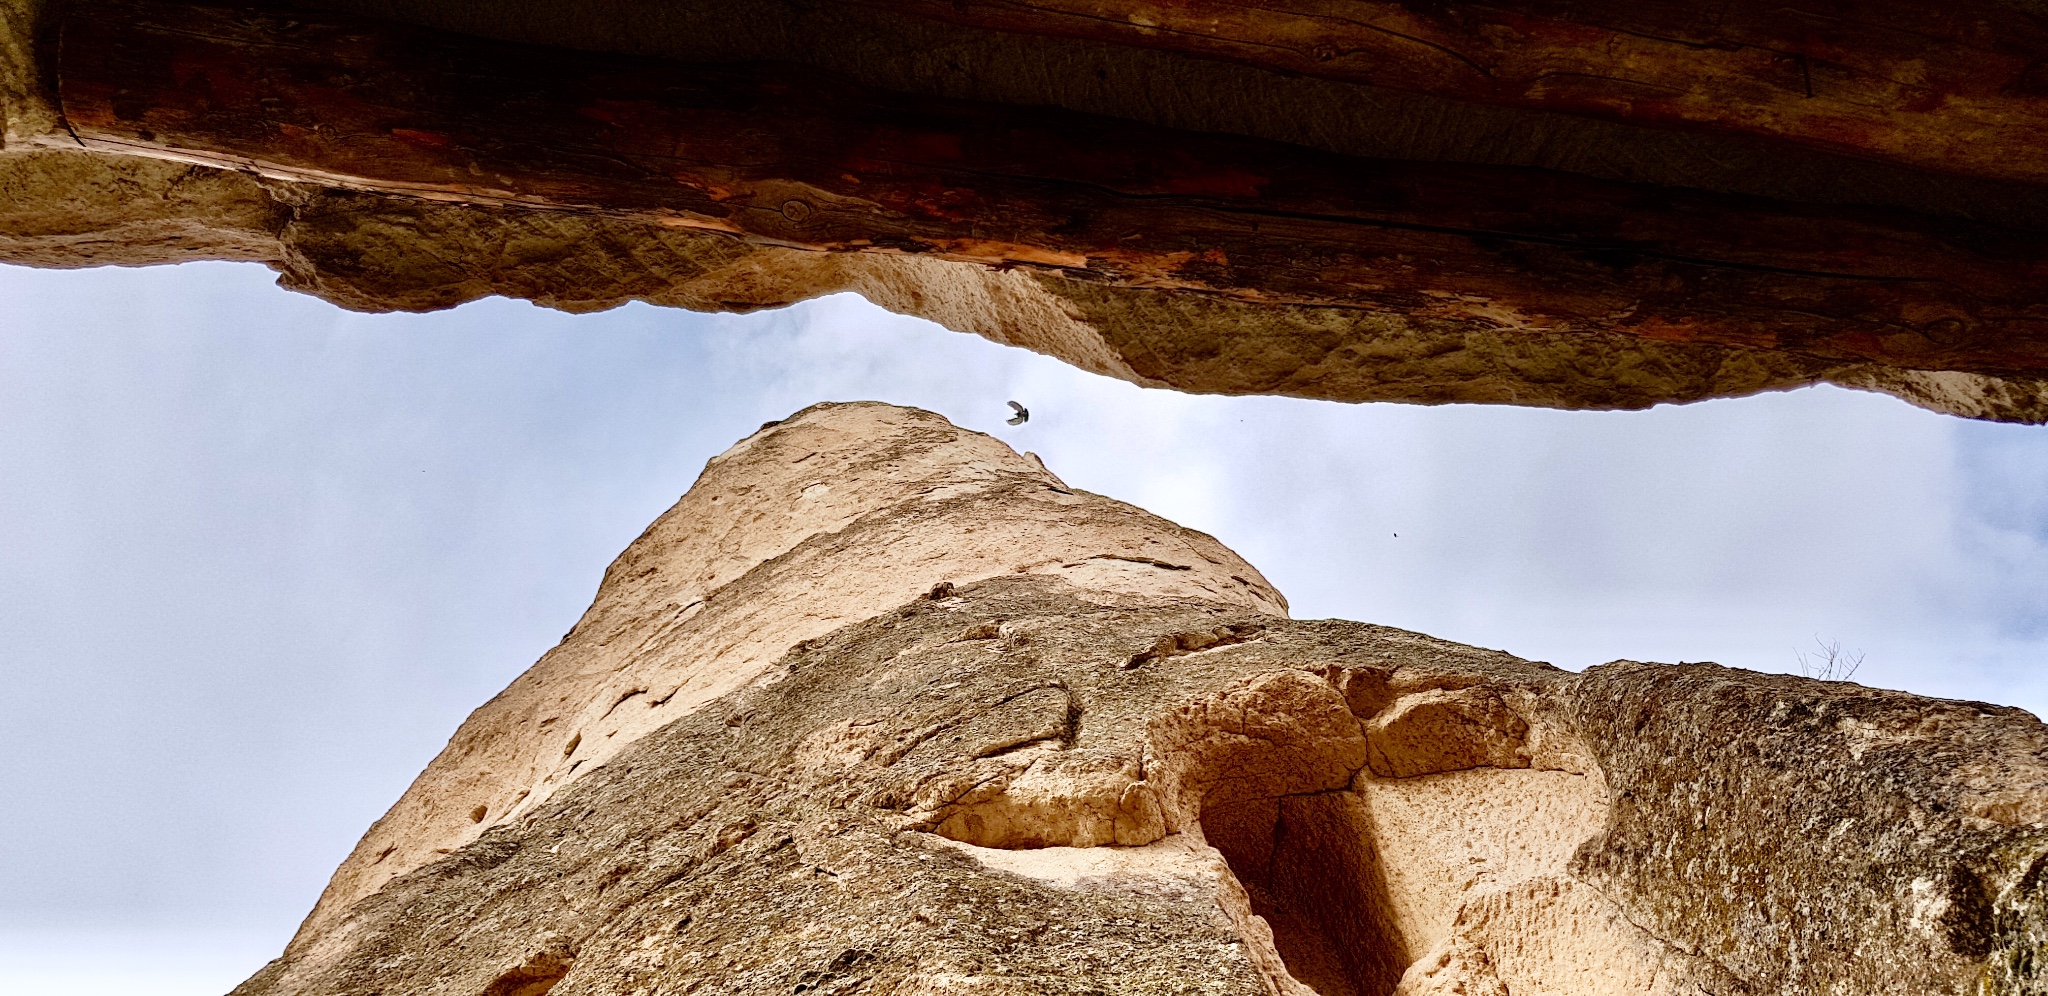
{"points": [[791, 157], [1956, 87]]}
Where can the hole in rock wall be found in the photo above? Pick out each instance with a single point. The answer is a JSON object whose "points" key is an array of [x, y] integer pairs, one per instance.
{"points": [[1310, 871], [535, 975], [1359, 882]]}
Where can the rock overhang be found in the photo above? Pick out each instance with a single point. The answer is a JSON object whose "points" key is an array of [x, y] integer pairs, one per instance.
{"points": [[1153, 202]]}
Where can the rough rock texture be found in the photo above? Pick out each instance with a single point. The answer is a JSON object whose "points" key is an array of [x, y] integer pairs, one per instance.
{"points": [[373, 253], [27, 112], [834, 516], [1879, 226], [881, 707]]}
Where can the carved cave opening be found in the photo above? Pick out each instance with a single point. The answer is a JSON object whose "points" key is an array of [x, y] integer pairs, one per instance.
{"points": [[1364, 848], [1309, 867]]}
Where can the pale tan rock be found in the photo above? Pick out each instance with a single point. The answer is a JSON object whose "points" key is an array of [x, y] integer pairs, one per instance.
{"points": [[1179, 868], [1553, 937], [1447, 840], [831, 517], [1441, 730], [1147, 781], [68, 209]]}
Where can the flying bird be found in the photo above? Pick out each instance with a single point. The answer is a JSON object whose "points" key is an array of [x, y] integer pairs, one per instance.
{"points": [[1023, 414]]}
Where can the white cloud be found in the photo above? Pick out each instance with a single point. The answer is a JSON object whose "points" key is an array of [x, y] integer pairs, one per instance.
{"points": [[128, 962]]}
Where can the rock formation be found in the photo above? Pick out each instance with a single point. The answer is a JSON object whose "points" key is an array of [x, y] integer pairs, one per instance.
{"points": [[881, 706], [1593, 205]]}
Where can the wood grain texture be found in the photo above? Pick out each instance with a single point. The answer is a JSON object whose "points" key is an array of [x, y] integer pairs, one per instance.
{"points": [[786, 156], [1955, 87]]}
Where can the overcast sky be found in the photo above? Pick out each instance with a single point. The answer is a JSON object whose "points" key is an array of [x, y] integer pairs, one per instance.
{"points": [[259, 556]]}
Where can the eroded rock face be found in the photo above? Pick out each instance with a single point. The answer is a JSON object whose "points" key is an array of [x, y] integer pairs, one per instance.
{"points": [[1284, 215], [372, 253], [838, 514], [882, 707]]}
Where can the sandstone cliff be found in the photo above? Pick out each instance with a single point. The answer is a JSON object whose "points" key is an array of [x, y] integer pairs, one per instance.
{"points": [[883, 707]]}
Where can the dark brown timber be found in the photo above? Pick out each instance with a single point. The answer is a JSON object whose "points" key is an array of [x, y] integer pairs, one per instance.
{"points": [[1956, 87], [789, 156]]}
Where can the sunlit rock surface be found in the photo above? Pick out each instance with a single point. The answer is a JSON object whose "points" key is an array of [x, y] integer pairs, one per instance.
{"points": [[881, 706]]}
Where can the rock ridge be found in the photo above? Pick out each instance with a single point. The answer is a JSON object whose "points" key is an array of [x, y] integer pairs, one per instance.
{"points": [[1096, 774], [828, 517]]}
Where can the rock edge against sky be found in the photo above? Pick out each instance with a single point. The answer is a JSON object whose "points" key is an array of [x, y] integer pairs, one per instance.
{"points": [[883, 706]]}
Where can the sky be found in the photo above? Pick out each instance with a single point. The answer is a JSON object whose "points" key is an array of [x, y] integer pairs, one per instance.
{"points": [[259, 556]]}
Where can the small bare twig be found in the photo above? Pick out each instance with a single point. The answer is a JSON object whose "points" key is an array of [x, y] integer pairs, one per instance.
{"points": [[1830, 662]]}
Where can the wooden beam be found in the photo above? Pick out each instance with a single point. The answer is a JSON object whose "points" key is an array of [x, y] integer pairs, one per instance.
{"points": [[1957, 87], [791, 157]]}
